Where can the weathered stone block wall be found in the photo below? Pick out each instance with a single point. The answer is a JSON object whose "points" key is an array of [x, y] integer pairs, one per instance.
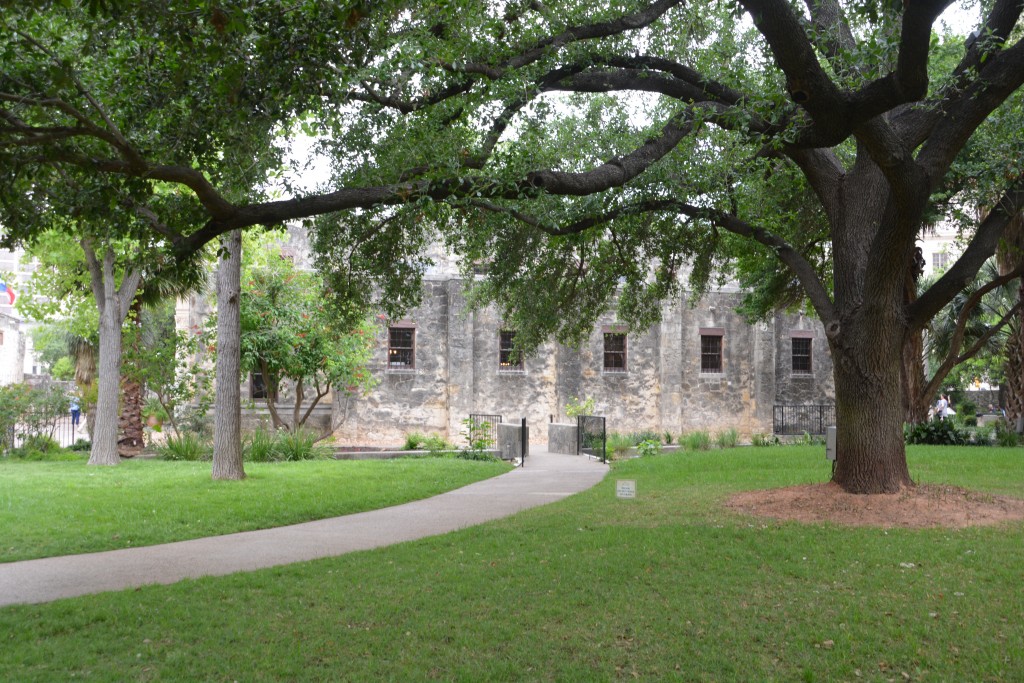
{"points": [[563, 438], [740, 397], [797, 388], [510, 440], [457, 373], [416, 399]]}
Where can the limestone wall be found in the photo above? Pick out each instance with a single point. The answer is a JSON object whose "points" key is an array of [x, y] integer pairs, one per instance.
{"points": [[457, 373]]}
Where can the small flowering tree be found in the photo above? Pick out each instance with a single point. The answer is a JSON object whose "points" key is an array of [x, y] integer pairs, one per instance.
{"points": [[292, 329]]}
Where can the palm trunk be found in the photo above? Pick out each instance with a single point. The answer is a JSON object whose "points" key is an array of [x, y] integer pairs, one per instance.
{"points": [[132, 391], [227, 434]]}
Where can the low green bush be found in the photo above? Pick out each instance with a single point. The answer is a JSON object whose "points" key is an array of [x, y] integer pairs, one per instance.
{"points": [[617, 444], [299, 445], [187, 446], [648, 447], [1005, 436], [80, 445], [727, 439], [696, 441], [414, 441], [258, 446], [760, 440], [936, 433], [40, 448], [645, 435]]}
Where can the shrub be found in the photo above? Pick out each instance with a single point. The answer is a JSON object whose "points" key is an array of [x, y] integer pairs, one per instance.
{"points": [[645, 435], [727, 439], [1005, 435], [696, 441], [617, 444], [668, 438], [186, 446], [760, 440], [472, 454], [983, 435], [414, 441], [300, 444], [38, 447], [575, 407], [80, 445], [259, 446], [648, 447], [936, 433], [436, 443]]}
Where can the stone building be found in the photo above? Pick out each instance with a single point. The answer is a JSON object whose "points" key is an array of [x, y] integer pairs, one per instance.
{"points": [[701, 367]]}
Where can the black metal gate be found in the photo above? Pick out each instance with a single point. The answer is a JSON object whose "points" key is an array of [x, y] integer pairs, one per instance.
{"points": [[800, 419], [524, 442], [591, 436], [485, 424]]}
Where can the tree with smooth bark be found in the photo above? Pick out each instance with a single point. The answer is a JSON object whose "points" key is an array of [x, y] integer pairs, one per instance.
{"points": [[227, 431]]}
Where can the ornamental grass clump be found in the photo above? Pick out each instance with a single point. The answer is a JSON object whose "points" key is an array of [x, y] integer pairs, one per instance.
{"points": [[187, 446], [727, 439], [696, 441]]}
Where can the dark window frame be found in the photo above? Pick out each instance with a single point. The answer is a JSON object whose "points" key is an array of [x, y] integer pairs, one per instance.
{"points": [[712, 352], [615, 359], [802, 362], [403, 351], [258, 388], [506, 346]]}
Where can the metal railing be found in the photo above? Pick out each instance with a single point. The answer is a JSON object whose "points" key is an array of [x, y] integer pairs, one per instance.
{"points": [[492, 422], [801, 419]]}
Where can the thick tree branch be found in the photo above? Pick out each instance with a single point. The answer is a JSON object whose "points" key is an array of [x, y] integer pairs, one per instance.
{"points": [[980, 249], [954, 357]]}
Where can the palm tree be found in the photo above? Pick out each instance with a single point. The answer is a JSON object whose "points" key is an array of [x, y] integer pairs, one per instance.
{"points": [[176, 281]]}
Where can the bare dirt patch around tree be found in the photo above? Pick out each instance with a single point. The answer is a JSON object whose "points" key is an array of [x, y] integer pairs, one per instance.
{"points": [[915, 507]]}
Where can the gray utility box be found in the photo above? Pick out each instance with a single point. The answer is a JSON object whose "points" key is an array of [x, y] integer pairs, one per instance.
{"points": [[830, 443]]}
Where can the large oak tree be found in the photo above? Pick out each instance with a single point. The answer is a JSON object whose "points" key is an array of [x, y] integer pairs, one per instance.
{"points": [[515, 126]]}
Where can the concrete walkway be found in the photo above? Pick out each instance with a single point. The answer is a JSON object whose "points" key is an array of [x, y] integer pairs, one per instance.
{"points": [[546, 478]]}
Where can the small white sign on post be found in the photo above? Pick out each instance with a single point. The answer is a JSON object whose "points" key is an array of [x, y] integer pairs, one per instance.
{"points": [[625, 488]]}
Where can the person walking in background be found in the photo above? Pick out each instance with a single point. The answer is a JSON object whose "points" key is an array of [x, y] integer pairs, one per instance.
{"points": [[76, 411], [941, 407]]}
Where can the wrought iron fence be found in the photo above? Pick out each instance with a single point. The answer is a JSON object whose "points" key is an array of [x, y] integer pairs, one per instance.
{"points": [[800, 419], [35, 424], [486, 424], [591, 436]]}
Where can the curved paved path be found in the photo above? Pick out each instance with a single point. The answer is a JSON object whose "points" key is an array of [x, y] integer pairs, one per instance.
{"points": [[546, 478]]}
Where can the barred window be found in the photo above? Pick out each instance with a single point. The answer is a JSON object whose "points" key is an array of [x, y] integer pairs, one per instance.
{"points": [[509, 359], [614, 352], [710, 353], [801, 356], [401, 348], [258, 386]]}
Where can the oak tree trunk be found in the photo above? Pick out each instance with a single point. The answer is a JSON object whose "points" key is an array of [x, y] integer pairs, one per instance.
{"points": [[227, 434], [871, 456]]}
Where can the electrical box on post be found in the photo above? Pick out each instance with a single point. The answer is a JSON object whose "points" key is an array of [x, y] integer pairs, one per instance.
{"points": [[830, 443]]}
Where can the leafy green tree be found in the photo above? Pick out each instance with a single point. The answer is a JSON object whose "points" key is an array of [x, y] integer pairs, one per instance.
{"points": [[292, 330], [645, 135]]}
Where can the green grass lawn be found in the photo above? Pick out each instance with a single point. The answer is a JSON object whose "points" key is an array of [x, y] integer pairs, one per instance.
{"points": [[63, 508], [666, 587]]}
